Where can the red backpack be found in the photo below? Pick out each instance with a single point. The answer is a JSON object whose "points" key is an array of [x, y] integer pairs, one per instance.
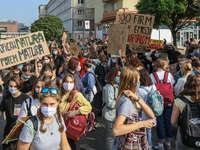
{"points": [[165, 89]]}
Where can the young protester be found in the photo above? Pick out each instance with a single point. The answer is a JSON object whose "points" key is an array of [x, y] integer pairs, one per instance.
{"points": [[51, 128], [69, 98], [28, 78], [48, 71], [128, 124], [146, 85], [190, 95], [110, 92], [89, 81], [73, 68], [133, 60], [82, 59], [31, 105], [172, 54], [164, 127], [186, 69], [11, 104]]}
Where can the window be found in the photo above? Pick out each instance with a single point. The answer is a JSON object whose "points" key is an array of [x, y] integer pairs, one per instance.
{"points": [[105, 8], [80, 12], [80, 23], [115, 6], [80, 1]]}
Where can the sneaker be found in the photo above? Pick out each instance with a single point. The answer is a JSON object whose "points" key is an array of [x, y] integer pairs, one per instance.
{"points": [[158, 147], [167, 146]]}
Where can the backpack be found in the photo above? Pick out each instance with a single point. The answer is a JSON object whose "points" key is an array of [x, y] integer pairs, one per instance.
{"points": [[189, 122], [154, 101], [28, 107], [97, 103], [165, 89]]}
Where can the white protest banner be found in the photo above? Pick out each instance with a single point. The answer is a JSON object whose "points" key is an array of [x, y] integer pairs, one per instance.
{"points": [[22, 49], [139, 29]]}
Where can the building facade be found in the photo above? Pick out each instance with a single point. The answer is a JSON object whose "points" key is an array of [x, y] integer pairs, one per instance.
{"points": [[10, 29], [108, 12], [75, 14]]}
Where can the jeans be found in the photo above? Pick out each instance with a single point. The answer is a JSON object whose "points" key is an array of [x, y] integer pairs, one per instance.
{"points": [[164, 121], [116, 143], [149, 137], [110, 138]]}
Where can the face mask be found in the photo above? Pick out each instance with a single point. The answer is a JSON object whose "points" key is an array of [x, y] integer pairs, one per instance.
{"points": [[195, 72], [19, 67], [165, 68], [85, 54], [39, 69], [48, 111], [13, 90], [168, 61], [68, 86], [26, 77], [179, 66], [138, 85], [156, 55], [78, 68], [36, 95], [117, 79], [46, 61], [55, 52]]}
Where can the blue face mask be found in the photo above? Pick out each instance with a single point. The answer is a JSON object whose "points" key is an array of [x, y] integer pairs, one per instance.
{"points": [[156, 55], [27, 77], [85, 54], [138, 85], [195, 72], [55, 52], [117, 79], [165, 68], [19, 67]]}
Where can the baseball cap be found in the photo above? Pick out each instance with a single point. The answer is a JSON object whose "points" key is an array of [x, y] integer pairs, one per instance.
{"points": [[195, 54]]}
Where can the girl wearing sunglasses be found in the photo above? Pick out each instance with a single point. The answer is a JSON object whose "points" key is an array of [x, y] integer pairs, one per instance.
{"points": [[51, 127], [70, 94], [31, 105]]}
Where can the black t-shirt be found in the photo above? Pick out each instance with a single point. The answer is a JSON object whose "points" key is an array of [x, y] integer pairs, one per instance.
{"points": [[58, 62], [28, 85], [12, 105]]}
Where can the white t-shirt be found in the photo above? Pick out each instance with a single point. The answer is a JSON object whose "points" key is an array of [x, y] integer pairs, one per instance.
{"points": [[170, 78]]}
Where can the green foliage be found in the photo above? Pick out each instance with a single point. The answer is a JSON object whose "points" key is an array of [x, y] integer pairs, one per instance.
{"points": [[52, 27]]}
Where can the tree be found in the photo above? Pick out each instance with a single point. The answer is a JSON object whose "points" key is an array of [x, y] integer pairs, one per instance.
{"points": [[175, 14], [52, 27]]}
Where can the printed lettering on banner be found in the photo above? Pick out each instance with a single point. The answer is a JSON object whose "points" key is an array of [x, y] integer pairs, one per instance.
{"points": [[139, 26], [22, 49]]}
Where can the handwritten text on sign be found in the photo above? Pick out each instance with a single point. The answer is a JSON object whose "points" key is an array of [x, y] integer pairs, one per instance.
{"points": [[22, 49], [139, 28], [155, 44]]}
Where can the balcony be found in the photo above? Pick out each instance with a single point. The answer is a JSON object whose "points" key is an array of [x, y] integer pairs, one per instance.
{"points": [[105, 1]]}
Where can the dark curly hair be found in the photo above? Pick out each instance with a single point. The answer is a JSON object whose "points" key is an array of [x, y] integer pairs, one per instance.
{"points": [[134, 61], [145, 79]]}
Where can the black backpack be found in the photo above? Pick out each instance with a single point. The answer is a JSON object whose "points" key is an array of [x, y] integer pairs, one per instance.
{"points": [[28, 107], [189, 122]]}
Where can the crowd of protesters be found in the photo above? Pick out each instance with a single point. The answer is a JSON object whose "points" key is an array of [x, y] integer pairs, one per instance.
{"points": [[48, 87]]}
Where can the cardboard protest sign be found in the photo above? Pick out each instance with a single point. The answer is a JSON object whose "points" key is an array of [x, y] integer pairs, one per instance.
{"points": [[117, 35], [139, 29], [22, 49], [155, 44], [74, 49], [172, 69], [16, 130]]}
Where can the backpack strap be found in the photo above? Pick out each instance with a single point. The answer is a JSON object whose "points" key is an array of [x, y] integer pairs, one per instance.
{"points": [[144, 89], [184, 99], [156, 77], [72, 100], [35, 123], [92, 121], [165, 77], [28, 107]]}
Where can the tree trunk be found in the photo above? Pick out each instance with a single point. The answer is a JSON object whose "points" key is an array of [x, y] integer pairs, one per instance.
{"points": [[174, 37]]}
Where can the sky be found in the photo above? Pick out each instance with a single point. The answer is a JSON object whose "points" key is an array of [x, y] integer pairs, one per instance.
{"points": [[22, 11]]}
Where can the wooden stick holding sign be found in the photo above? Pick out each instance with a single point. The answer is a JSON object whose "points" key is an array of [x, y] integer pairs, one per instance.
{"points": [[117, 39], [22, 49], [74, 49], [139, 29]]}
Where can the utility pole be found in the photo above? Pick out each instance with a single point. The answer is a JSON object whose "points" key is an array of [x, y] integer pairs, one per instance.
{"points": [[84, 21]]}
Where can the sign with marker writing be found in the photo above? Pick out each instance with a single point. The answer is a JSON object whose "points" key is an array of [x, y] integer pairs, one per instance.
{"points": [[139, 29], [117, 35], [155, 44], [22, 49], [74, 49]]}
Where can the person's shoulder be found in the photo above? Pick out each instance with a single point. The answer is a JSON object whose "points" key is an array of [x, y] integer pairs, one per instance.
{"points": [[25, 96], [124, 100]]}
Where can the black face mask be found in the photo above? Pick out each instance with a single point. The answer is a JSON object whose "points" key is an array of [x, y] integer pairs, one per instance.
{"points": [[36, 95]]}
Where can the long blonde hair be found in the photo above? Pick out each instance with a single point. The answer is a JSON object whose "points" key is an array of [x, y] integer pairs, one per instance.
{"points": [[128, 77]]}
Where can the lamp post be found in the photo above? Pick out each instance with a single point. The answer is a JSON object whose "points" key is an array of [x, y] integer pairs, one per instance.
{"points": [[84, 21]]}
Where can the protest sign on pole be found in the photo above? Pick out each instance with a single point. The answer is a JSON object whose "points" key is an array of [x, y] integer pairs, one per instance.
{"points": [[117, 35], [139, 29], [22, 49], [74, 49], [155, 44]]}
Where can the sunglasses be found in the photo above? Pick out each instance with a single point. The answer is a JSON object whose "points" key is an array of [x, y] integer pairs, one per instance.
{"points": [[53, 91]]}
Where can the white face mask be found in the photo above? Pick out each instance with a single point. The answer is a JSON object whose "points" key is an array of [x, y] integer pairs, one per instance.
{"points": [[13, 90], [39, 69], [68, 86], [48, 111], [78, 68], [46, 61]]}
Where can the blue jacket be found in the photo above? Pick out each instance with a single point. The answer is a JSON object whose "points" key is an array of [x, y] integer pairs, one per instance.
{"points": [[89, 81]]}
